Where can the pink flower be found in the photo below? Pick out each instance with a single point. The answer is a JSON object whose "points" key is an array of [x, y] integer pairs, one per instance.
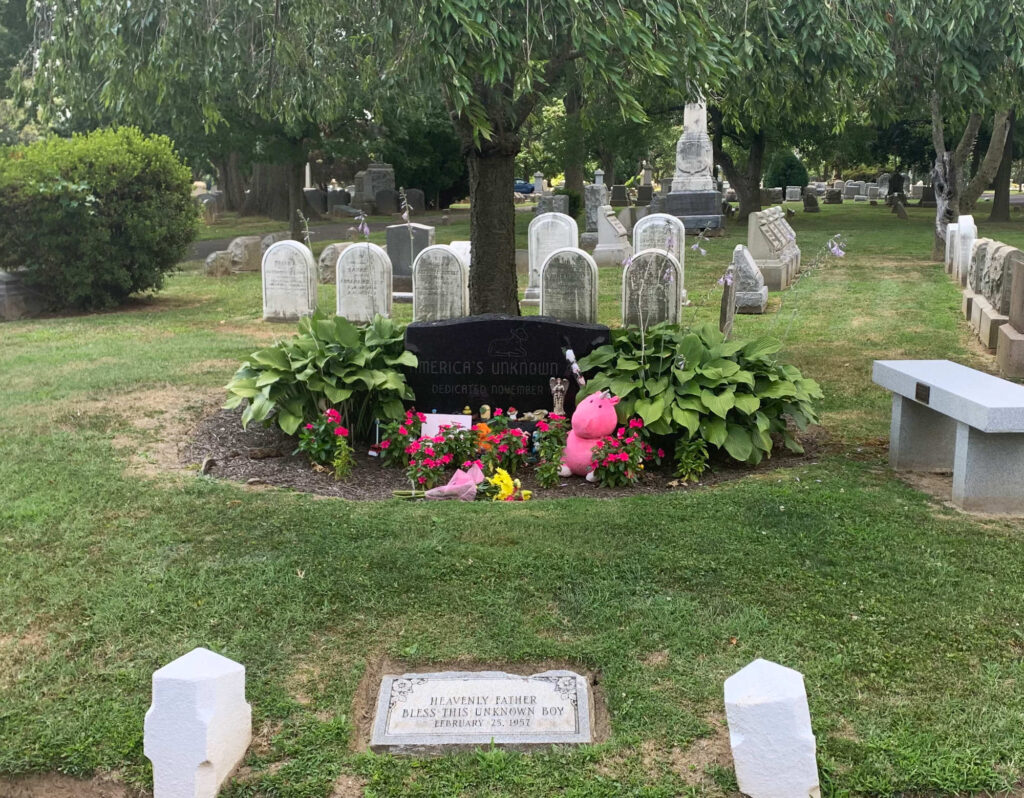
{"points": [[428, 451], [421, 480], [333, 416], [520, 451], [446, 459], [402, 430], [635, 423], [497, 412], [385, 444], [503, 447], [661, 452], [542, 426], [309, 426], [340, 431], [422, 417], [438, 439]]}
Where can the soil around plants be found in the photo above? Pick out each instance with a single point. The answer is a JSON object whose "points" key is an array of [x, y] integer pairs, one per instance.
{"points": [[264, 456]]}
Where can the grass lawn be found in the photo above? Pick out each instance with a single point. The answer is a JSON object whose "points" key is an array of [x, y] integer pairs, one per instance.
{"points": [[902, 613]]}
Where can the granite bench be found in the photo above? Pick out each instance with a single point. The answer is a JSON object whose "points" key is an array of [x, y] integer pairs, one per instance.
{"points": [[949, 417]]}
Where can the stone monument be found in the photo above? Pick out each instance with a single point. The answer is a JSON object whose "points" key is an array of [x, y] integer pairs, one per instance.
{"points": [[568, 286], [289, 282], [694, 197], [363, 283]]}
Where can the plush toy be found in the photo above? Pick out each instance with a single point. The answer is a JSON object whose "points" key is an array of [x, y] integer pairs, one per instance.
{"points": [[593, 419]]}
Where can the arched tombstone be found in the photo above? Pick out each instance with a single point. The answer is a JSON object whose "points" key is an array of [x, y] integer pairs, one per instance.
{"points": [[440, 284], [662, 231], [568, 286], [289, 282], [547, 232], [363, 282], [652, 285]]}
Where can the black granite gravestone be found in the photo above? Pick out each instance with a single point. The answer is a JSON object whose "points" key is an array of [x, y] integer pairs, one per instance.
{"points": [[503, 361]]}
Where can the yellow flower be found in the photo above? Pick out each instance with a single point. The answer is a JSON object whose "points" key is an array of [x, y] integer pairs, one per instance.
{"points": [[526, 494], [503, 482]]}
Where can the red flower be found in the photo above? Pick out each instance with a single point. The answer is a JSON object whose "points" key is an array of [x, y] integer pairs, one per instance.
{"points": [[543, 426], [661, 452], [340, 431]]}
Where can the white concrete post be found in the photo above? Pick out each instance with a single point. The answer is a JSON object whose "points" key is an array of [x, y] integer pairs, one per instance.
{"points": [[773, 748], [309, 176], [199, 725], [599, 177], [538, 182]]}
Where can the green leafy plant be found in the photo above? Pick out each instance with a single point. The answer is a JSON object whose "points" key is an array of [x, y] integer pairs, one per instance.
{"points": [[95, 218], [691, 459], [325, 442], [732, 394], [785, 169], [618, 459], [553, 432], [331, 362]]}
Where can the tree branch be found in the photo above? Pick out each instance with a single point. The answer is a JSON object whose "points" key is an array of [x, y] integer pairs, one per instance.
{"points": [[990, 165], [963, 149]]}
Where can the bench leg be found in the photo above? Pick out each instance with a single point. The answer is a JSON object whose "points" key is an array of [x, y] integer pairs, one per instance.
{"points": [[919, 438], [988, 473]]}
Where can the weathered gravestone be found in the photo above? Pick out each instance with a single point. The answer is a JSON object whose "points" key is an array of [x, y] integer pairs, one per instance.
{"points": [[326, 264], [568, 286], [899, 210], [386, 201], [435, 713], [661, 231], [966, 231], [440, 285], [652, 286], [612, 239], [834, 196], [951, 241], [751, 292], [644, 195], [18, 301], [1010, 346], [218, 264], [376, 177], [547, 232], [405, 242], [364, 283], [772, 242], [594, 196], [811, 202], [727, 312], [245, 253], [927, 197], [289, 282], [620, 196], [416, 200], [792, 193], [502, 361]]}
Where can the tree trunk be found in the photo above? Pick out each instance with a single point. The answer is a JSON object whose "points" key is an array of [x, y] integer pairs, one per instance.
{"points": [[746, 182], [575, 145], [269, 192], [989, 165], [493, 287], [946, 174], [1001, 201], [608, 165], [230, 176]]}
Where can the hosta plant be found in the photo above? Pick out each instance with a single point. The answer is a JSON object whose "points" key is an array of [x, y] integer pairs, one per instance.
{"points": [[684, 384], [330, 363]]}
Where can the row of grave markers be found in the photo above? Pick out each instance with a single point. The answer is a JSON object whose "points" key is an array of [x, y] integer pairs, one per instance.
{"points": [[566, 277], [199, 727], [991, 277]]}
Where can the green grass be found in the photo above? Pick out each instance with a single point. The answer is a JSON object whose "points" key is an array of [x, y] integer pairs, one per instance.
{"points": [[902, 614]]}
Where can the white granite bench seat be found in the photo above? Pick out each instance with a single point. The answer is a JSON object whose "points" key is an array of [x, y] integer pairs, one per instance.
{"points": [[946, 416]]}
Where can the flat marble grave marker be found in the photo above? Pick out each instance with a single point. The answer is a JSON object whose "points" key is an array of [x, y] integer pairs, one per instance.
{"points": [[421, 713]]}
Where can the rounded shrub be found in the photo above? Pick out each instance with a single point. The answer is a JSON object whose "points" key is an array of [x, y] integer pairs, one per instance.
{"points": [[92, 219], [785, 169]]}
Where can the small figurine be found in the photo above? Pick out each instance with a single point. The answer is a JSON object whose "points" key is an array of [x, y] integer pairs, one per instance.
{"points": [[558, 389], [485, 412], [513, 414], [467, 411]]}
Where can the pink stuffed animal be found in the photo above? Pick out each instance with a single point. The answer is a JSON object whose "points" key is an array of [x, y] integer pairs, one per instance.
{"points": [[593, 419]]}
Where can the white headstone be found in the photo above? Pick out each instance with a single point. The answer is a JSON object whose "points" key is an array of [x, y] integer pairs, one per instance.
{"points": [[363, 283], [652, 289], [613, 245], [465, 250], [568, 286], [694, 158], [661, 231], [547, 232], [966, 231], [951, 239], [538, 183], [199, 725], [440, 285], [289, 282], [751, 291], [599, 177], [792, 193], [773, 747]]}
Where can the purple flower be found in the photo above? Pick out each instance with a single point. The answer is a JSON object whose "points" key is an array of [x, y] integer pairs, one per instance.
{"points": [[703, 251], [725, 279], [835, 250], [405, 216]]}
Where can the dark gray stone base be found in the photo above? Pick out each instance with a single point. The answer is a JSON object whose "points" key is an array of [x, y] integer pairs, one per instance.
{"points": [[693, 203], [694, 224]]}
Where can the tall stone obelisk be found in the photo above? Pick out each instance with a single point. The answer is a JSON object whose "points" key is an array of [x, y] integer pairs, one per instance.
{"points": [[694, 197]]}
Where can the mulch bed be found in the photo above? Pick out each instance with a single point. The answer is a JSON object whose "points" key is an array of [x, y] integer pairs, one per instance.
{"points": [[264, 456]]}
